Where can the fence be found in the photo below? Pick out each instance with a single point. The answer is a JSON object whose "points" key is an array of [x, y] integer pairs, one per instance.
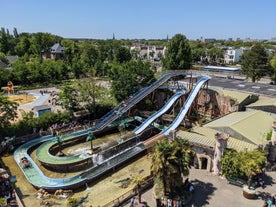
{"points": [[124, 198]]}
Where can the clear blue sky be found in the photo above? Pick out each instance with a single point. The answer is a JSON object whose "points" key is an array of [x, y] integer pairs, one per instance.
{"points": [[147, 19]]}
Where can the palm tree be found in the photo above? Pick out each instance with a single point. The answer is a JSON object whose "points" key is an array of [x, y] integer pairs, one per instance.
{"points": [[158, 165], [170, 161], [138, 181], [90, 138], [179, 161], [59, 141]]}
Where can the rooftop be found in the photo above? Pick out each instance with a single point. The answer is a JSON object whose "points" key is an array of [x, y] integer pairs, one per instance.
{"points": [[250, 126]]}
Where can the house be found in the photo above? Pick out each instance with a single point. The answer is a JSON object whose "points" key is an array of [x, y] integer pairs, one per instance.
{"points": [[232, 55], [55, 52], [150, 52], [10, 60]]}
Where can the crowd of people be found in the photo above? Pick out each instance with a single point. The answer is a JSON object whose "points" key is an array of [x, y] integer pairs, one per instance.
{"points": [[7, 191]]}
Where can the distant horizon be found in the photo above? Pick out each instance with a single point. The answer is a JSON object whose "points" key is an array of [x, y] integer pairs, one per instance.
{"points": [[234, 39], [90, 19]]}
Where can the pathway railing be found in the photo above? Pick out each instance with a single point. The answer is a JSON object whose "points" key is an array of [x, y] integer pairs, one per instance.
{"points": [[125, 198]]}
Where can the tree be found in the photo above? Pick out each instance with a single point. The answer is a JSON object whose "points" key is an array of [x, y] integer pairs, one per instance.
{"points": [[59, 140], [255, 62], [123, 55], [138, 181], [7, 111], [90, 138], [68, 98], [245, 164], [273, 68], [3, 58], [23, 45], [89, 55], [178, 55], [171, 161], [129, 77]]}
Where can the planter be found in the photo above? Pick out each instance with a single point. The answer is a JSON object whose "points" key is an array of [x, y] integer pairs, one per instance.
{"points": [[248, 193]]}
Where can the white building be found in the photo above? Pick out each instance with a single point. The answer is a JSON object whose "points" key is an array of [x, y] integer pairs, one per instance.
{"points": [[150, 52], [232, 55]]}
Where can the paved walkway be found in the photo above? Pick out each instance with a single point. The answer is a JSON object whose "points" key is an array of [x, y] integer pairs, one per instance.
{"points": [[211, 190]]}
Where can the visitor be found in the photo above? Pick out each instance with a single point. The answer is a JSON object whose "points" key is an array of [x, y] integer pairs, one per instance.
{"points": [[169, 202], [191, 188], [132, 202], [269, 202], [8, 198], [274, 199]]}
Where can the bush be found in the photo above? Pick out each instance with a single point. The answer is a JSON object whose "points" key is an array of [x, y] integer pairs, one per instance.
{"points": [[26, 126]]}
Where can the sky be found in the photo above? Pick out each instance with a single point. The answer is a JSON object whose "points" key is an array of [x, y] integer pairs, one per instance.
{"points": [[142, 19]]}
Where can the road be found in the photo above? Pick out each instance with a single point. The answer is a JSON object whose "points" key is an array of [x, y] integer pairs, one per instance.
{"points": [[262, 88]]}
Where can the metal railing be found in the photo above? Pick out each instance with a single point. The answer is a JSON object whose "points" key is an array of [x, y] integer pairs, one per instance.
{"points": [[125, 198]]}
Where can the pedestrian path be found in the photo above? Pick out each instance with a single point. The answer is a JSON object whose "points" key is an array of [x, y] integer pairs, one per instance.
{"points": [[214, 191], [39, 101]]}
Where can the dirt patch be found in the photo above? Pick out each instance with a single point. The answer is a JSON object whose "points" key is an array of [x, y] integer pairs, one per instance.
{"points": [[22, 98]]}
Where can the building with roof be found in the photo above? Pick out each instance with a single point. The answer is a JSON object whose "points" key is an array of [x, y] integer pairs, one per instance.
{"points": [[245, 126], [263, 104], [55, 52], [149, 51], [243, 129], [232, 55], [10, 60]]}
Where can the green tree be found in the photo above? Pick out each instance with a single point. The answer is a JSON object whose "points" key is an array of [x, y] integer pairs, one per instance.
{"points": [[243, 164], [69, 99], [123, 55], [40, 42], [89, 92], [273, 68], [4, 77], [129, 77], [23, 45], [178, 55], [255, 62], [3, 58], [8, 111], [170, 161], [138, 181], [89, 55]]}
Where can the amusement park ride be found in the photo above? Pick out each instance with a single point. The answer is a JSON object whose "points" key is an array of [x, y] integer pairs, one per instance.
{"points": [[139, 144]]}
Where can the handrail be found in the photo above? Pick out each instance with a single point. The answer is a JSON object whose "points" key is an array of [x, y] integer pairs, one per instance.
{"points": [[154, 116], [138, 96], [186, 105]]}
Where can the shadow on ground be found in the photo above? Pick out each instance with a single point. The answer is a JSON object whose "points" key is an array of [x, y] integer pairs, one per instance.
{"points": [[202, 193], [261, 191]]}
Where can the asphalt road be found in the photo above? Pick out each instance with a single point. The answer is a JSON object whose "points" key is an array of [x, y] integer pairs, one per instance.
{"points": [[262, 88]]}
